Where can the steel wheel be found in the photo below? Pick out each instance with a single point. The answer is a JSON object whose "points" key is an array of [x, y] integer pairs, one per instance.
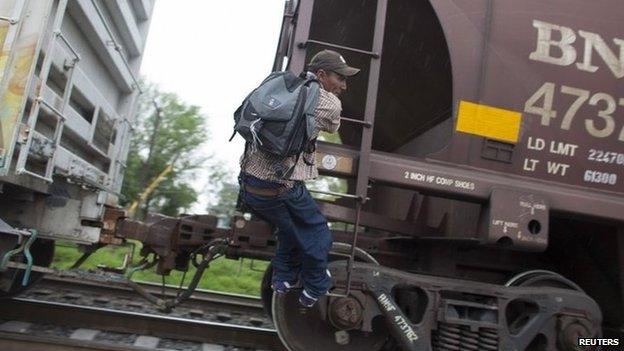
{"points": [[570, 328], [542, 278], [266, 293], [305, 329]]}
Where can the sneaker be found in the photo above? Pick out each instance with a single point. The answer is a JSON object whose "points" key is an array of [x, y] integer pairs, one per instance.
{"points": [[306, 300], [281, 287]]}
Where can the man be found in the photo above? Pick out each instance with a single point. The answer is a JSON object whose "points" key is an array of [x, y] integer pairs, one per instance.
{"points": [[304, 239]]}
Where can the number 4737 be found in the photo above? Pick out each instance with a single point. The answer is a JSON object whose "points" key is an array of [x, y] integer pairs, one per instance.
{"points": [[607, 104]]}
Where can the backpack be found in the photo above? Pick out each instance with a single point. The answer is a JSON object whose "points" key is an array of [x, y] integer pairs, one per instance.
{"points": [[278, 116]]}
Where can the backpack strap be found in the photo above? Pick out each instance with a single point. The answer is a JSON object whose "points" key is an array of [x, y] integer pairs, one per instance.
{"points": [[245, 160], [240, 204], [310, 149], [291, 170], [308, 163], [310, 81], [309, 78]]}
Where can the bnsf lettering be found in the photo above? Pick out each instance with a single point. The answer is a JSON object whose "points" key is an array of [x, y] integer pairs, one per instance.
{"points": [[554, 46]]}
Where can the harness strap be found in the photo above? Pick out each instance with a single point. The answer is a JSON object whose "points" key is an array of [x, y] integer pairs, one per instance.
{"points": [[291, 170]]}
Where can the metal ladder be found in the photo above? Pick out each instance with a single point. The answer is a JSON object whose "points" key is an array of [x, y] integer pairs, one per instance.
{"points": [[367, 123], [39, 100]]}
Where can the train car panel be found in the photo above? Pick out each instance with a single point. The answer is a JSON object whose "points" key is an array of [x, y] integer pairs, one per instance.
{"points": [[562, 73]]}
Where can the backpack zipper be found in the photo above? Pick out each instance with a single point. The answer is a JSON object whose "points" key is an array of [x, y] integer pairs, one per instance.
{"points": [[298, 111]]}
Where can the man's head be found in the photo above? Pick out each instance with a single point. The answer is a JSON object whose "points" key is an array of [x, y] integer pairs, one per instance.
{"points": [[331, 70]]}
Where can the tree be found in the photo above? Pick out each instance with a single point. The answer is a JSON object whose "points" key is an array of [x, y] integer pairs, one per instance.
{"points": [[225, 192], [226, 200], [167, 131]]}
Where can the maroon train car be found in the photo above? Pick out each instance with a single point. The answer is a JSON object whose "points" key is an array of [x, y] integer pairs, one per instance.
{"points": [[488, 141]]}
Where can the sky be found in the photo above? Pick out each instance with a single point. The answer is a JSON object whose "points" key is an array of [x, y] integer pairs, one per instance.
{"points": [[212, 54]]}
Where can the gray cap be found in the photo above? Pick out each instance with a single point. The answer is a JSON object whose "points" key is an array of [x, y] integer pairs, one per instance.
{"points": [[330, 60]]}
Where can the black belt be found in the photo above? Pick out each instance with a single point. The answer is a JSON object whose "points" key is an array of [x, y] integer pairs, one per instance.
{"points": [[265, 191]]}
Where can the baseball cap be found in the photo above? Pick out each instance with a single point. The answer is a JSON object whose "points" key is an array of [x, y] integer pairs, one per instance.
{"points": [[330, 60]]}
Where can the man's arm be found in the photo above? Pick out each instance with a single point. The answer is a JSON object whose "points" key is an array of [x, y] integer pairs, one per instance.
{"points": [[328, 112]]}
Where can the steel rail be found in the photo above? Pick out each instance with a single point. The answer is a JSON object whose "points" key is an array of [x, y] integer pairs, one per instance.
{"points": [[209, 298], [56, 313]]}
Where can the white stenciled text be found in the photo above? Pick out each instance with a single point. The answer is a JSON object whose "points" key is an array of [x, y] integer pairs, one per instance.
{"points": [[604, 108], [439, 180]]}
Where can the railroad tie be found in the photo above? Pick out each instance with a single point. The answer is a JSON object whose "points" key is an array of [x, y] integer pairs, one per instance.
{"points": [[84, 334], [212, 347], [149, 342], [15, 327]]}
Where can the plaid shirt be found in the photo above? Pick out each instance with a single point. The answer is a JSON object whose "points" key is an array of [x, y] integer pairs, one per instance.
{"points": [[262, 164]]}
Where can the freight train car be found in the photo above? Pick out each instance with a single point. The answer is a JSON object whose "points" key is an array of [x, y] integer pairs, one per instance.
{"points": [[68, 91], [487, 146]]}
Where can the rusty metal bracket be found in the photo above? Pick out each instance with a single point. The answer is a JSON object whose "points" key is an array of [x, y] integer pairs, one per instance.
{"points": [[516, 220], [216, 248]]}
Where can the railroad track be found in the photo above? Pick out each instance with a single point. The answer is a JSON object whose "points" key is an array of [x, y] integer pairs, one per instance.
{"points": [[73, 315], [88, 292]]}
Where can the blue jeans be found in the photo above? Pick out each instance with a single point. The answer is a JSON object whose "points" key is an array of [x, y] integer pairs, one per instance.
{"points": [[304, 239]]}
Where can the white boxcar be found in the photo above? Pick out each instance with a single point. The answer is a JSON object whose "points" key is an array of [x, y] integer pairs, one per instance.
{"points": [[68, 94]]}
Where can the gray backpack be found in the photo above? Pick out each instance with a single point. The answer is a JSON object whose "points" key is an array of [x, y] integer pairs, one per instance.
{"points": [[278, 116]]}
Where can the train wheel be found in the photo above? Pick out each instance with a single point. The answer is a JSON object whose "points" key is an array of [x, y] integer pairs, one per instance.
{"points": [[266, 293], [542, 278], [302, 329], [570, 329], [11, 280]]}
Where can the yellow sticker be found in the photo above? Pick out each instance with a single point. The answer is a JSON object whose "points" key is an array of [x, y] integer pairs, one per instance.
{"points": [[488, 121]]}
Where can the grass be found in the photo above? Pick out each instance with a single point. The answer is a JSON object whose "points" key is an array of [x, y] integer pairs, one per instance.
{"points": [[236, 276]]}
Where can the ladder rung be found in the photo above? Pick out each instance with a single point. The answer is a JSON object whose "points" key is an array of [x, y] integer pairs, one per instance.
{"points": [[358, 121], [349, 196], [122, 164], [71, 48], [33, 174], [336, 295], [9, 19], [52, 108], [309, 41], [97, 149]]}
